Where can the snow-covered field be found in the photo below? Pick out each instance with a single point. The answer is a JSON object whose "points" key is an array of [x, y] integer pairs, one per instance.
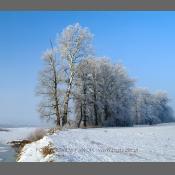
{"points": [[155, 143]]}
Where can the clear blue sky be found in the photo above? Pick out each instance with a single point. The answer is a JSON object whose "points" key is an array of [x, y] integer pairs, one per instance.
{"points": [[143, 41]]}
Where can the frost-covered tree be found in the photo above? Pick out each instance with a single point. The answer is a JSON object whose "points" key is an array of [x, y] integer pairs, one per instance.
{"points": [[49, 81], [93, 94], [136, 107], [163, 111], [151, 108], [74, 44], [81, 92], [88, 92], [91, 91], [56, 80], [144, 107], [120, 96], [108, 89]]}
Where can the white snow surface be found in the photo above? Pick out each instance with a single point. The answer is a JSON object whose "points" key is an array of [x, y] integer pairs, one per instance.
{"points": [[131, 144], [15, 134]]}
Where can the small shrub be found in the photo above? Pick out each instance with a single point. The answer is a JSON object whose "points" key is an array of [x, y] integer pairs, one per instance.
{"points": [[37, 135], [70, 125], [47, 150], [54, 130]]}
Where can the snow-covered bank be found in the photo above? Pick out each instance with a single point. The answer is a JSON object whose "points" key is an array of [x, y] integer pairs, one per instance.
{"points": [[7, 153], [156, 143]]}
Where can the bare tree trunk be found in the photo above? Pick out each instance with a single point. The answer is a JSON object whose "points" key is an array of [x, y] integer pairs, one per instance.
{"points": [[95, 107], [84, 105], [96, 116], [52, 60], [56, 99], [85, 117], [137, 114], [61, 121], [66, 102], [81, 115], [136, 118], [106, 112]]}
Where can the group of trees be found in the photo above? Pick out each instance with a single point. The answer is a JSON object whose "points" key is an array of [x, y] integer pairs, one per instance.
{"points": [[102, 93], [105, 95], [97, 92], [56, 80], [151, 108]]}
